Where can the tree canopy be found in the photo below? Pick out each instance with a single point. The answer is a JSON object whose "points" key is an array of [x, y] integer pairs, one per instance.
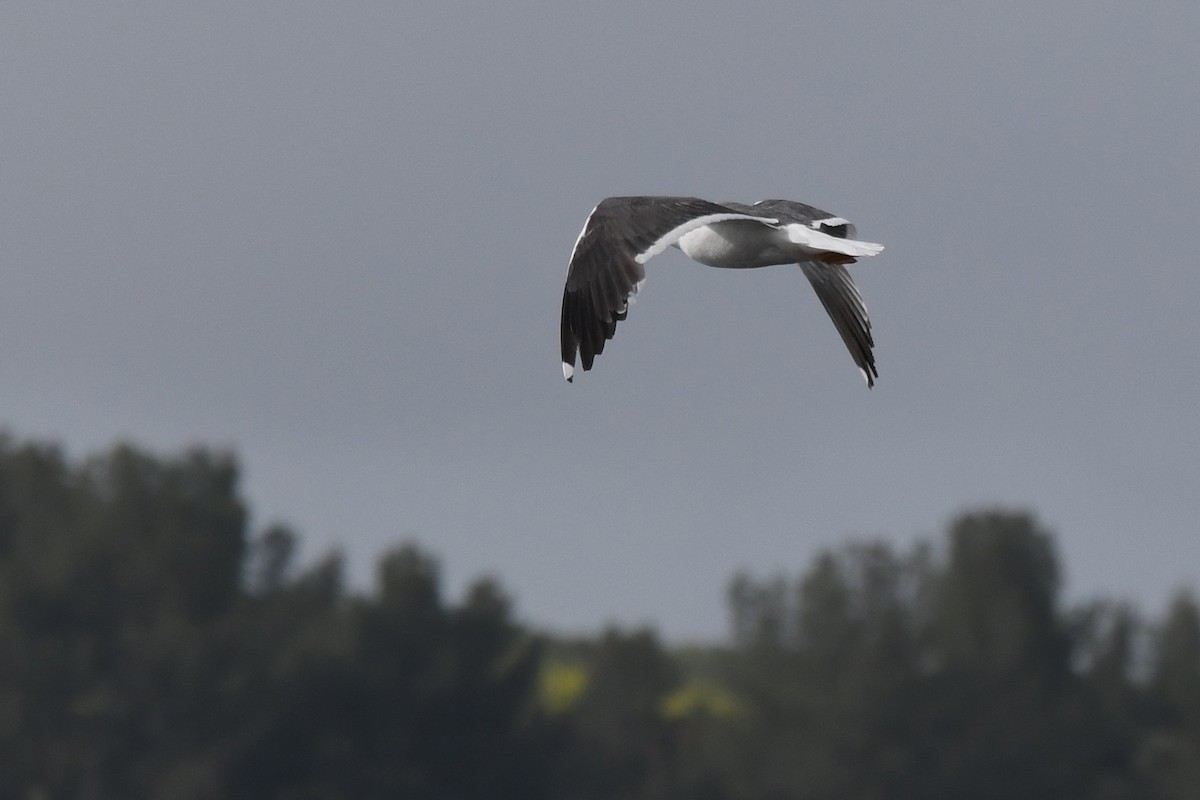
{"points": [[152, 645]]}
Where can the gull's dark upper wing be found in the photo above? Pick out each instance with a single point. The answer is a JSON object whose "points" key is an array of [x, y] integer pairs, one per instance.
{"points": [[845, 306], [618, 238]]}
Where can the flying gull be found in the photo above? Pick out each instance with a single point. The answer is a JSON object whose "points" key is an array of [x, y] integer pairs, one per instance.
{"points": [[623, 233]]}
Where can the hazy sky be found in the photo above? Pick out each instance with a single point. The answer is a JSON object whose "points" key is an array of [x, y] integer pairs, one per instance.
{"points": [[333, 237]]}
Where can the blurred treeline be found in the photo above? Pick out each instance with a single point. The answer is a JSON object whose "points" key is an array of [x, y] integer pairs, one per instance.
{"points": [[151, 647]]}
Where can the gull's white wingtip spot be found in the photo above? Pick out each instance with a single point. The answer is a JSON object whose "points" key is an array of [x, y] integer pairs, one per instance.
{"points": [[568, 372]]}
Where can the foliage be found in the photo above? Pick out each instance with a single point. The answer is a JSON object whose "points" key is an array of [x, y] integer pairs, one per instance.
{"points": [[561, 686], [152, 646], [700, 697]]}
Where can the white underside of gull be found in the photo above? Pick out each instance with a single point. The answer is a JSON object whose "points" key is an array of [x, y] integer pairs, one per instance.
{"points": [[739, 244], [746, 244], [701, 224]]}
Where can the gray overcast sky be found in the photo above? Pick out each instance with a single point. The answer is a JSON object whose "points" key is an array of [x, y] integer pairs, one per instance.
{"points": [[333, 237]]}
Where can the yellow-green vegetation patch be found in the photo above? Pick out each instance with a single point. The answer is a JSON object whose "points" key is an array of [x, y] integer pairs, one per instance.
{"points": [[561, 685], [701, 697]]}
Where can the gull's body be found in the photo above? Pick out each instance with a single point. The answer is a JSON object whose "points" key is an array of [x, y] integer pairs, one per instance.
{"points": [[623, 233]]}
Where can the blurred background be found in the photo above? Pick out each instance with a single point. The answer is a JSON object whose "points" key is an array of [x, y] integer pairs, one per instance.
{"points": [[295, 503]]}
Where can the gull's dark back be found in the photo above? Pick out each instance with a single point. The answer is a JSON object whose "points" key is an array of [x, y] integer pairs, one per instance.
{"points": [[791, 211]]}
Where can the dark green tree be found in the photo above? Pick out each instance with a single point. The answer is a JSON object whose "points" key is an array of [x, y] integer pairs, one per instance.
{"points": [[113, 576], [914, 677], [1170, 752], [149, 647], [996, 611], [1006, 713], [622, 745], [829, 704], [391, 695], [1176, 678]]}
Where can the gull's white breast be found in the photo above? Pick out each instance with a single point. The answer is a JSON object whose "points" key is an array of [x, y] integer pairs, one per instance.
{"points": [[737, 244]]}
